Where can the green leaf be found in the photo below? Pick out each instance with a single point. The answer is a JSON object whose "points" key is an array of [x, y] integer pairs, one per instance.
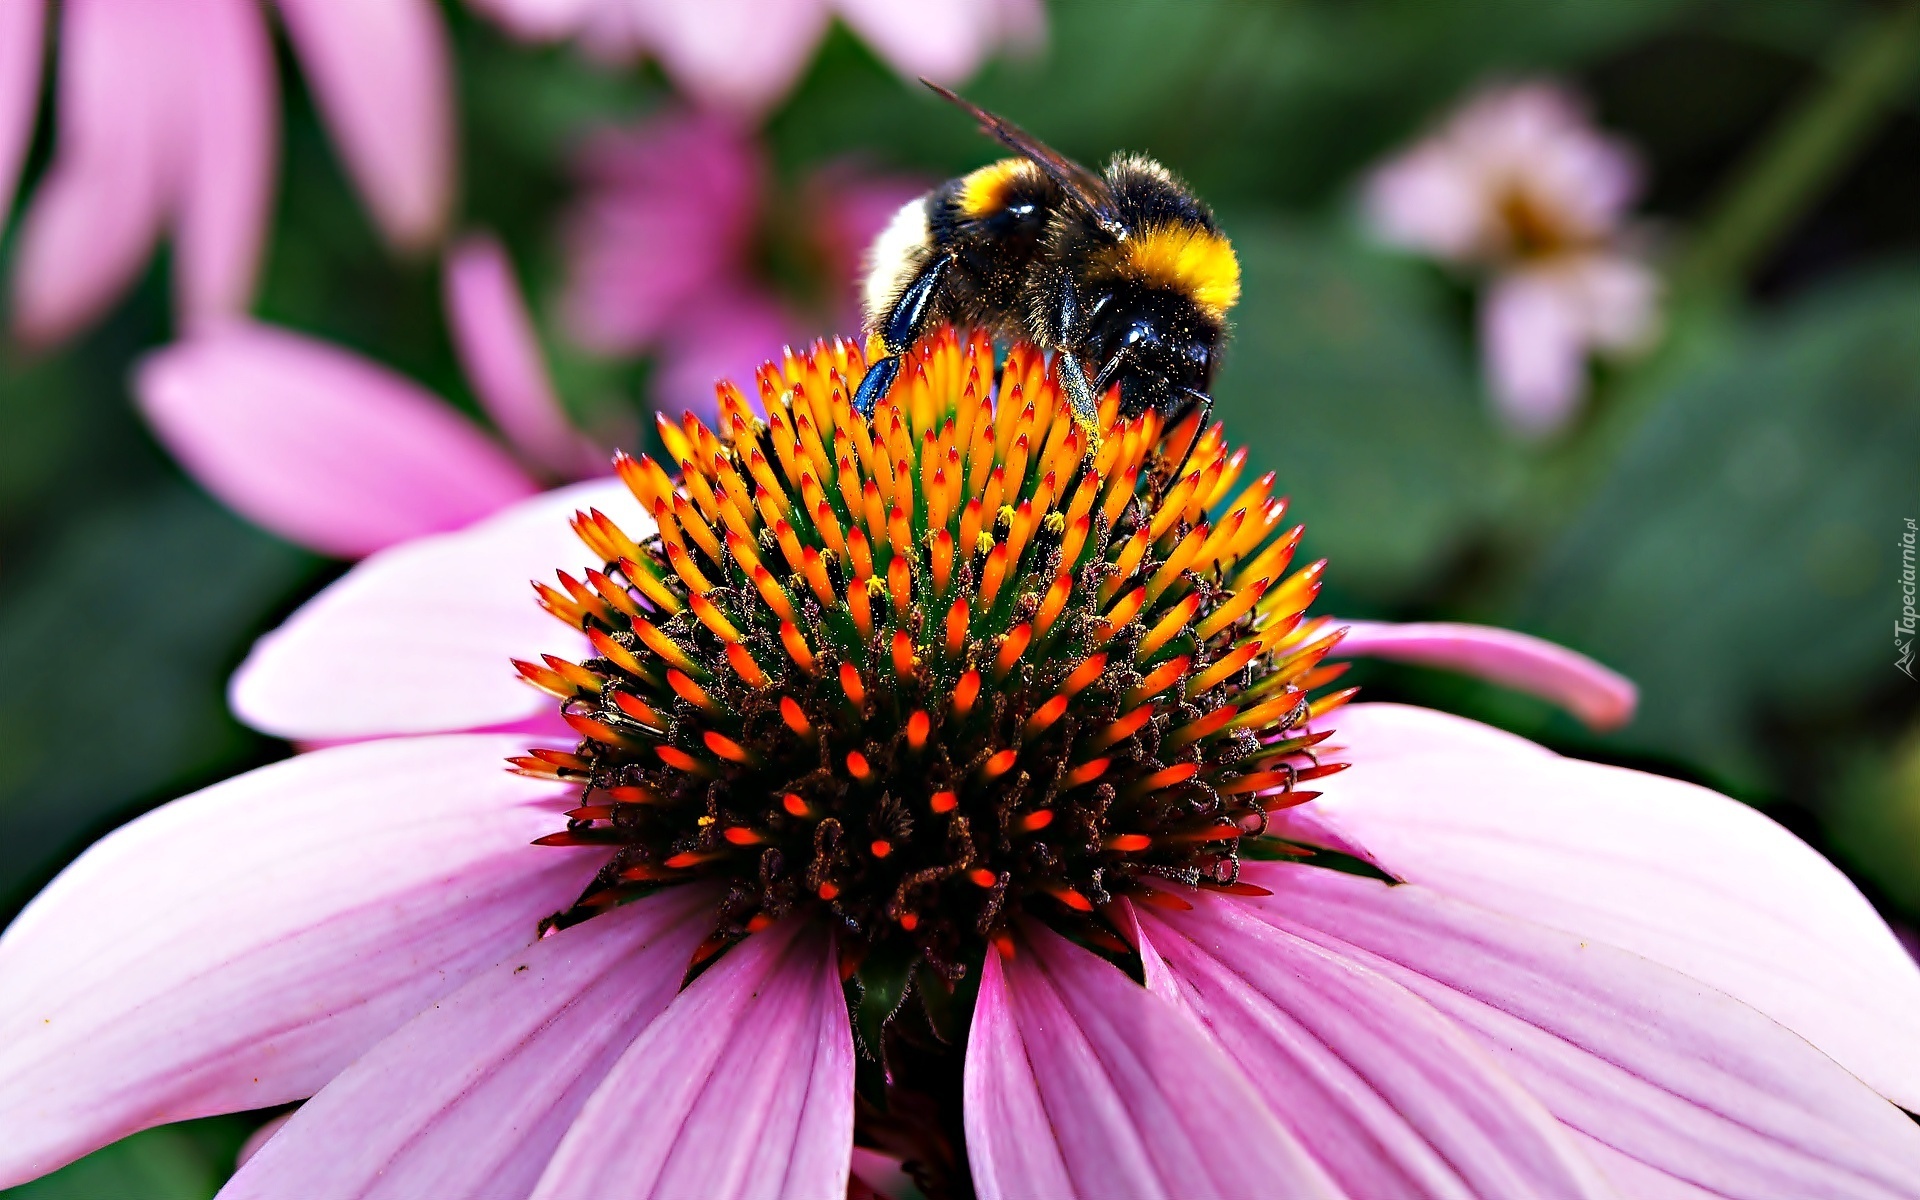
{"points": [[1740, 559], [949, 1007], [188, 1161], [883, 980], [1343, 378], [115, 648]]}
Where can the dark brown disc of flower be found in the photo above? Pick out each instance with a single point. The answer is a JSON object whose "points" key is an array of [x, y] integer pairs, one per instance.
{"points": [[926, 673]]}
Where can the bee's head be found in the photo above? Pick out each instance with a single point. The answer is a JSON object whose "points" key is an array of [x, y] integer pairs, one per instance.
{"points": [[1155, 344], [1156, 300]]}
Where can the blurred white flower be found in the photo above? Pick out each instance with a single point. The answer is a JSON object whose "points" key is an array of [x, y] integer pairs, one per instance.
{"points": [[1519, 184]]}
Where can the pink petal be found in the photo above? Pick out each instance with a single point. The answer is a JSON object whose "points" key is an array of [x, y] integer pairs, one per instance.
{"points": [[743, 1087], [1079, 1082], [1432, 200], [1535, 351], [494, 335], [23, 45], [227, 183], [98, 210], [452, 610], [613, 35], [1633, 1177], [380, 72], [1619, 301], [538, 20], [1672, 872], [319, 445], [1538, 137], [237, 948], [1678, 1080], [1541, 322], [727, 337], [1387, 1093], [1002, 1103], [666, 213], [1405, 732], [1392, 1098], [736, 55], [471, 1097], [1390, 732], [1602, 698], [1022, 24], [1451, 193]]}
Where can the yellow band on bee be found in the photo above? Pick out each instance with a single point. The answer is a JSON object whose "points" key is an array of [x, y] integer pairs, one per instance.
{"points": [[985, 190], [1193, 260]]}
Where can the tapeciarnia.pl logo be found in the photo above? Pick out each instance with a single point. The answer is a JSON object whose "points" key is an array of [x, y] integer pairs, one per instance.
{"points": [[1903, 627]]}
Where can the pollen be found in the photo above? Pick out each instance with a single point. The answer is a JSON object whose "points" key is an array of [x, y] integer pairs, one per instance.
{"points": [[931, 671]]}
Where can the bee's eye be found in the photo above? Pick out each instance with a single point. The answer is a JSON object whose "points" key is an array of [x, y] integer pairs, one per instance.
{"points": [[1197, 354], [1142, 332]]}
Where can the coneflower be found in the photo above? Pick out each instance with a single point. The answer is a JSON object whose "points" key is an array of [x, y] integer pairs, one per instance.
{"points": [[930, 673], [936, 793]]}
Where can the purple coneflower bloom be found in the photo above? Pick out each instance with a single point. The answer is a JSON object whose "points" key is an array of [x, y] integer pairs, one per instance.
{"points": [[1518, 183], [167, 122], [938, 787], [744, 55]]}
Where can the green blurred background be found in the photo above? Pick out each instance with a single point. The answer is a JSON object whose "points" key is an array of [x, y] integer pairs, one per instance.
{"points": [[1723, 527]]}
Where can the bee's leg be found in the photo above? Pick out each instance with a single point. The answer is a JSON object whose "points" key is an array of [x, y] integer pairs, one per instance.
{"points": [[875, 383], [1073, 377], [1086, 406], [905, 322]]}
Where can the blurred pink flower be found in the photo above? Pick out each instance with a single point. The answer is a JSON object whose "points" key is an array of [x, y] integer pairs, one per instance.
{"points": [[1591, 981], [742, 56], [1520, 185], [345, 457], [845, 207], [167, 122], [660, 249]]}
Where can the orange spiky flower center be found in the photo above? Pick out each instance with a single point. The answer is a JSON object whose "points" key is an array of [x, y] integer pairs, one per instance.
{"points": [[932, 671]]}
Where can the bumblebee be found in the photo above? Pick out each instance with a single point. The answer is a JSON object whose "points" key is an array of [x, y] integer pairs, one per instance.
{"points": [[1123, 275]]}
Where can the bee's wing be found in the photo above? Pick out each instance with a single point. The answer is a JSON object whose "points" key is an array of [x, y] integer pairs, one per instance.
{"points": [[1086, 188]]}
